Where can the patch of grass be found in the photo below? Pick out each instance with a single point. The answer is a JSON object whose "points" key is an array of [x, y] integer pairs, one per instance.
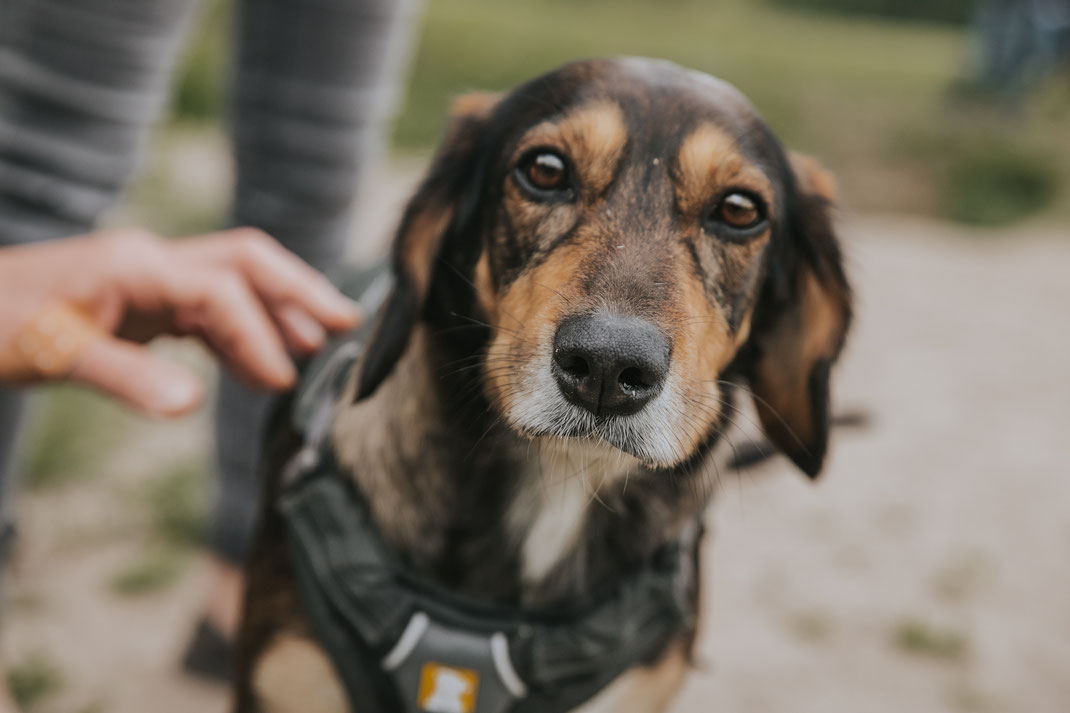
{"points": [[175, 502], [959, 579], [156, 569], [27, 603], [198, 93], [840, 85], [171, 196], [174, 507], [980, 174], [811, 627], [953, 11], [920, 638], [998, 184], [842, 88], [792, 65], [70, 431], [33, 680]]}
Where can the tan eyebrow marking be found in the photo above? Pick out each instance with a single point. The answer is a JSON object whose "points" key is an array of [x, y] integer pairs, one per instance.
{"points": [[710, 161], [593, 135]]}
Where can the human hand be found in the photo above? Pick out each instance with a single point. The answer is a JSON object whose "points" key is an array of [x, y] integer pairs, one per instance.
{"points": [[80, 309]]}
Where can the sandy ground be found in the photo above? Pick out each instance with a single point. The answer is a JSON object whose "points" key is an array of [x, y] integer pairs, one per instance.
{"points": [[947, 520], [926, 571]]}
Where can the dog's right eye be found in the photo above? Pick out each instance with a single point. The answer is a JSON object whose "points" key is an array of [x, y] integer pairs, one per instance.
{"points": [[544, 175]]}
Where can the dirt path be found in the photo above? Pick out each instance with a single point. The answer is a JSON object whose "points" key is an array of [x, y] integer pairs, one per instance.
{"points": [[927, 571]]}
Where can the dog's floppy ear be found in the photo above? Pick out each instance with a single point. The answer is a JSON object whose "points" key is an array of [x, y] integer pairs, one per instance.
{"points": [[801, 321], [441, 211]]}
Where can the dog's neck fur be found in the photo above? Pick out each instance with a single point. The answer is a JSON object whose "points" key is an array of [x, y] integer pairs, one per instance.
{"points": [[467, 503]]}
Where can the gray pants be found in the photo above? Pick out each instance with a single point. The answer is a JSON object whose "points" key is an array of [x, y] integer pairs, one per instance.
{"points": [[82, 81]]}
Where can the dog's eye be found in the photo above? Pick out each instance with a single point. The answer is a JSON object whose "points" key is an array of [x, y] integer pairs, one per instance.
{"points": [[544, 174], [546, 171], [738, 214], [739, 211]]}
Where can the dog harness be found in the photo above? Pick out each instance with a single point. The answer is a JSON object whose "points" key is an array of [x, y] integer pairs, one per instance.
{"points": [[401, 644]]}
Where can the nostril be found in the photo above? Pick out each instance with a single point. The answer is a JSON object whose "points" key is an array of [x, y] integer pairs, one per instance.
{"points": [[633, 379], [574, 365]]}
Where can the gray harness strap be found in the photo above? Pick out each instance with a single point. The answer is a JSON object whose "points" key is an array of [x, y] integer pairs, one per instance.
{"points": [[402, 645]]}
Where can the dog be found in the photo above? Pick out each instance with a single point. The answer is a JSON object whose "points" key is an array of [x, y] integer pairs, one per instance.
{"points": [[596, 264]]}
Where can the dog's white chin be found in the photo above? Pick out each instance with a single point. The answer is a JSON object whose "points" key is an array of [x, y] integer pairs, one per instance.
{"points": [[650, 435]]}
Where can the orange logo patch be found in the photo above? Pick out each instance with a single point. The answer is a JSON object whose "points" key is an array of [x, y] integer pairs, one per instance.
{"points": [[444, 689]]}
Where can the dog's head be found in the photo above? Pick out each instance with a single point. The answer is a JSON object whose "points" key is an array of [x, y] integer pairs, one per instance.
{"points": [[630, 234]]}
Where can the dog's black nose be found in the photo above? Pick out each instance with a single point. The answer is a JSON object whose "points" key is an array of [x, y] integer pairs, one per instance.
{"points": [[609, 363]]}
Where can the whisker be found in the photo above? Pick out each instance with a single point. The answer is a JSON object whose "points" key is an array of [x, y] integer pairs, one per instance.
{"points": [[464, 277], [772, 411]]}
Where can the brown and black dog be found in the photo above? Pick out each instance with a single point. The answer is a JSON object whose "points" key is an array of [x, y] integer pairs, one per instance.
{"points": [[596, 261]]}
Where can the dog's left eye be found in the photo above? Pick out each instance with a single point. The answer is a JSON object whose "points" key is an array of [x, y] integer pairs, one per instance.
{"points": [[544, 174], [737, 214], [739, 211]]}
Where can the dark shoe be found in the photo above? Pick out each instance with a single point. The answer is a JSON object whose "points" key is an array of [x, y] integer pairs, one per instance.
{"points": [[209, 654]]}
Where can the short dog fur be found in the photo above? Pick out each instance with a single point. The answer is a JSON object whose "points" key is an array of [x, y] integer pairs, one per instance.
{"points": [[629, 192]]}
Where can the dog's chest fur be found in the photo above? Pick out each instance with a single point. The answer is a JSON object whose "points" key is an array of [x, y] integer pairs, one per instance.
{"points": [[484, 513]]}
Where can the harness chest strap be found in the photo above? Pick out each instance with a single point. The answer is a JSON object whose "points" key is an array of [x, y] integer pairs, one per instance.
{"points": [[422, 650]]}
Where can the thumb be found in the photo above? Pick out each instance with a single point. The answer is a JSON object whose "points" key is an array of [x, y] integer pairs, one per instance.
{"points": [[134, 375]]}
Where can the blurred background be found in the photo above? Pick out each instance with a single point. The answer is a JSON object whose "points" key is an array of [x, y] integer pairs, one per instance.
{"points": [[926, 571]]}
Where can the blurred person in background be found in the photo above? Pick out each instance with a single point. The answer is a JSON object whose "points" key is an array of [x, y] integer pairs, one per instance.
{"points": [[1017, 43], [81, 83]]}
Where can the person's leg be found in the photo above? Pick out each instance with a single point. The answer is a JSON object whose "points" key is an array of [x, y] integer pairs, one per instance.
{"points": [[80, 83], [313, 82], [11, 407]]}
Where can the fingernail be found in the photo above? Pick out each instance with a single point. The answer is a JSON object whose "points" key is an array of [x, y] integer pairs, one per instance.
{"points": [[350, 310], [310, 332], [174, 396], [287, 375]]}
